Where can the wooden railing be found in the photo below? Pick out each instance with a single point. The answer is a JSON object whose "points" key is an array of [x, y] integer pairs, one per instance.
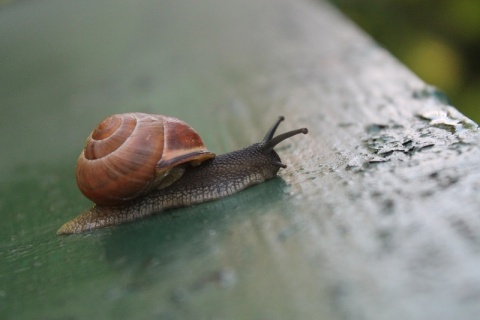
{"points": [[377, 215]]}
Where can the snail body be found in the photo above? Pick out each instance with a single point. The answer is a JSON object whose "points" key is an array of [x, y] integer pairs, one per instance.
{"points": [[197, 176]]}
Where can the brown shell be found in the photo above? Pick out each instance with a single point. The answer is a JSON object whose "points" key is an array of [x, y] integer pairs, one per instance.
{"points": [[129, 154]]}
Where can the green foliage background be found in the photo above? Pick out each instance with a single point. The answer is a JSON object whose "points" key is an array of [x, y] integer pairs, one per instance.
{"points": [[438, 39]]}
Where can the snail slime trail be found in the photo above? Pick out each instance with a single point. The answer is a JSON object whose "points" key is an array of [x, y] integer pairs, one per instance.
{"points": [[134, 165]]}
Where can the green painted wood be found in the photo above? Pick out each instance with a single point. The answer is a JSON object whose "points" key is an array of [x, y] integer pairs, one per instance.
{"points": [[376, 216]]}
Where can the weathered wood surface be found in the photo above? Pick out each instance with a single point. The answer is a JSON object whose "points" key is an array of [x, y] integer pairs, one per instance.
{"points": [[376, 217]]}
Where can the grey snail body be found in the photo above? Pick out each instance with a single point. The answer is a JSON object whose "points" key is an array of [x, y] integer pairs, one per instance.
{"points": [[214, 178]]}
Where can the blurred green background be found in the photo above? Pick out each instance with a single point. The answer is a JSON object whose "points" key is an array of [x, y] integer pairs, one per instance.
{"points": [[438, 39]]}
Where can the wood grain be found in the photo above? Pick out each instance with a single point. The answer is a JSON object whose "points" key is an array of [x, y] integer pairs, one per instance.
{"points": [[375, 217]]}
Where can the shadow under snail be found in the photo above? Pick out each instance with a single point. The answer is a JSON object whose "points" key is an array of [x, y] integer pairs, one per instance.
{"points": [[134, 165]]}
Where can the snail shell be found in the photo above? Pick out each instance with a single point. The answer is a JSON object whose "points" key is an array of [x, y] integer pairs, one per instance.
{"points": [[130, 154]]}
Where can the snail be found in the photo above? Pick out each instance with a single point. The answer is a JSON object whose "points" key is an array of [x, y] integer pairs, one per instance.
{"points": [[134, 165]]}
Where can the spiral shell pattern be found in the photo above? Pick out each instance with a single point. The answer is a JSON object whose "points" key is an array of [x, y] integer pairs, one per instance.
{"points": [[128, 154]]}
